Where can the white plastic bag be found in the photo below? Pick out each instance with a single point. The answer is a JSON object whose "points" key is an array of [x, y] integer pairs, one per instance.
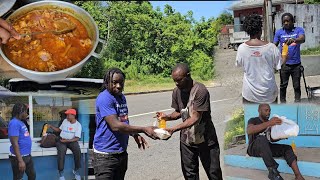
{"points": [[287, 129]]}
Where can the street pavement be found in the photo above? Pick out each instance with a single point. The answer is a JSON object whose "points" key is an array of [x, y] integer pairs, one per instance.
{"points": [[161, 161]]}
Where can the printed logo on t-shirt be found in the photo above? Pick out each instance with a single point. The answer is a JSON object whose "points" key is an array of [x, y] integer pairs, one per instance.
{"points": [[70, 128], [122, 110], [26, 132], [256, 54]]}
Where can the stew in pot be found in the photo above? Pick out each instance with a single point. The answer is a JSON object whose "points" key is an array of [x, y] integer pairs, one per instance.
{"points": [[47, 52]]}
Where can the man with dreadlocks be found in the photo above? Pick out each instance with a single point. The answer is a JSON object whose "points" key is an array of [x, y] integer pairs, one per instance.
{"points": [[113, 129], [293, 37], [258, 60], [20, 149]]}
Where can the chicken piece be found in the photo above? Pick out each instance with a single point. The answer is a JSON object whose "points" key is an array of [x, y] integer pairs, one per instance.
{"points": [[70, 34], [51, 66], [22, 24], [44, 55], [46, 14], [43, 23], [41, 66], [59, 42], [26, 38], [17, 27], [85, 42], [35, 43], [16, 53]]}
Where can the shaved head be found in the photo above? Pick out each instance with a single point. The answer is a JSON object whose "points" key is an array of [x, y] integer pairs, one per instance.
{"points": [[181, 76], [263, 105], [264, 111], [182, 67]]}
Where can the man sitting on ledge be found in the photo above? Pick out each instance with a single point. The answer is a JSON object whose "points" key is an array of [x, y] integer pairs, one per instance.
{"points": [[259, 130]]}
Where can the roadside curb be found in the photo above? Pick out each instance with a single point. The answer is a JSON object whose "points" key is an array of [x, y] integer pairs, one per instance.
{"points": [[147, 92], [158, 91]]}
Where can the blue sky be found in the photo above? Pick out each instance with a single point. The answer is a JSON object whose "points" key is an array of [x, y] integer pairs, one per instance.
{"points": [[199, 8]]}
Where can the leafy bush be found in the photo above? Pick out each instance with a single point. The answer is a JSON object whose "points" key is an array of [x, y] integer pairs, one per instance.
{"points": [[235, 127], [311, 51], [142, 41]]}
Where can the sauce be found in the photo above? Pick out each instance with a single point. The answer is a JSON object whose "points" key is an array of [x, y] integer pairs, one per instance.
{"points": [[47, 52]]}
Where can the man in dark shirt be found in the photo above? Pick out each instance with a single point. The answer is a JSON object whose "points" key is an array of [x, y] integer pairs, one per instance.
{"points": [[191, 101], [259, 130]]}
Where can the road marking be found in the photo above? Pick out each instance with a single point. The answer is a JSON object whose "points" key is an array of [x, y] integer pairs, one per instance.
{"points": [[164, 110], [153, 112], [224, 100]]}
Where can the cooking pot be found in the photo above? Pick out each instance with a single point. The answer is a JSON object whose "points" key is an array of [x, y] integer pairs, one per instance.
{"points": [[68, 8]]}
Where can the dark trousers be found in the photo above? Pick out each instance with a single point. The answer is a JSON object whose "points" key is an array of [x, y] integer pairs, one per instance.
{"points": [[261, 147], [210, 159], [110, 166], [18, 175], [62, 149], [295, 72]]}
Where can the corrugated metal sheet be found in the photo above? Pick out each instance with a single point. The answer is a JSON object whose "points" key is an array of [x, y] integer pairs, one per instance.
{"points": [[248, 4]]}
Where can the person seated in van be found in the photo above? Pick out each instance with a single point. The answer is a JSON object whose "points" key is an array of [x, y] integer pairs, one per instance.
{"points": [[261, 144], [70, 133]]}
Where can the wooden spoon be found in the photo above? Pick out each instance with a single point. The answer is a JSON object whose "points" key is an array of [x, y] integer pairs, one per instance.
{"points": [[62, 26]]}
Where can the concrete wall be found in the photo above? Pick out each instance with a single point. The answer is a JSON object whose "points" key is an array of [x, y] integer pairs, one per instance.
{"points": [[311, 65], [46, 167], [308, 17]]}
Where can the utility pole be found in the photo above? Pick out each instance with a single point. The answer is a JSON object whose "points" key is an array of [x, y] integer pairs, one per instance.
{"points": [[268, 18]]}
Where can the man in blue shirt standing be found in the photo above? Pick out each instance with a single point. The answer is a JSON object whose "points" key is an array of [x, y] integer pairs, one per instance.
{"points": [[293, 36], [113, 129], [20, 149]]}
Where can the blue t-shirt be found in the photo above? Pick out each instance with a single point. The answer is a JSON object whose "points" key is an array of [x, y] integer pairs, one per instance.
{"points": [[294, 49], [106, 140], [18, 128]]}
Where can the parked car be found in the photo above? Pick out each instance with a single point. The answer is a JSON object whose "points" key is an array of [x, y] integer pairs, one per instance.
{"points": [[3, 129]]}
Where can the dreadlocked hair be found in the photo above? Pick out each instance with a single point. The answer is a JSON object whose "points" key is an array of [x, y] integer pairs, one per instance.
{"points": [[107, 79], [252, 24], [18, 108], [289, 15]]}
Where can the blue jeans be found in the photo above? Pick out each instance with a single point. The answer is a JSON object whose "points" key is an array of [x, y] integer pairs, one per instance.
{"points": [[110, 166]]}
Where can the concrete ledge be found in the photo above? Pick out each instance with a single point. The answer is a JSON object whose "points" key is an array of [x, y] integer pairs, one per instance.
{"points": [[36, 150], [306, 168]]}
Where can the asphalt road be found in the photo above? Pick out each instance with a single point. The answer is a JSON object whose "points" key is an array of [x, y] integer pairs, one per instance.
{"points": [[162, 159]]}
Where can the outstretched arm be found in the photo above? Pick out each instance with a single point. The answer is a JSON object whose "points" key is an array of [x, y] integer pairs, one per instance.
{"points": [[195, 117], [119, 126]]}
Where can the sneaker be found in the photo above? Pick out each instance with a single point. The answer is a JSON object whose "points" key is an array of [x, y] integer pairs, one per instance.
{"points": [[274, 174], [76, 175], [61, 175]]}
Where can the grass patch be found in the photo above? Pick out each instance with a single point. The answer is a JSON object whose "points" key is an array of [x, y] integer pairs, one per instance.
{"points": [[154, 83], [311, 51], [234, 127], [146, 84]]}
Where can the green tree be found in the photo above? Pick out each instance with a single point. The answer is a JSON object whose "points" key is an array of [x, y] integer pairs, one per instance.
{"points": [[145, 41], [312, 1]]}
